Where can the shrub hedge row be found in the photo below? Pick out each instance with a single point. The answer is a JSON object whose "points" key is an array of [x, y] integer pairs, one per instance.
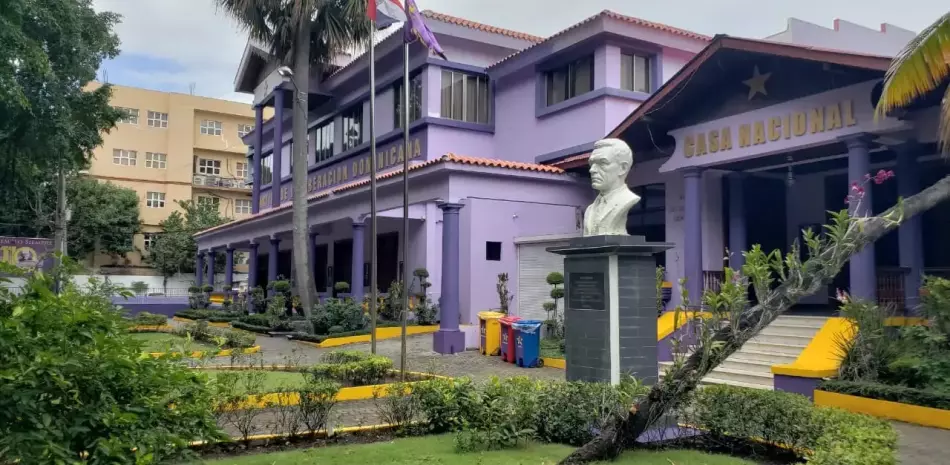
{"points": [[823, 436], [902, 394], [358, 368], [252, 328], [318, 338], [213, 316]]}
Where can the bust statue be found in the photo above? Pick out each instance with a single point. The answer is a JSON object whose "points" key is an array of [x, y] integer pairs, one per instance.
{"points": [[609, 165]]}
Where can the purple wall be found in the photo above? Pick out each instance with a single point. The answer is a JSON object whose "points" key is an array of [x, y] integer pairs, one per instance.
{"points": [[443, 140]]}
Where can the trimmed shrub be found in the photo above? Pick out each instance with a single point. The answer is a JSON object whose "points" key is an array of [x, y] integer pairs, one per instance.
{"points": [[345, 356], [317, 399], [249, 327], [318, 338], [257, 319], [572, 412], [149, 319], [213, 316], [447, 404], [225, 338], [371, 370], [822, 435], [902, 394]]}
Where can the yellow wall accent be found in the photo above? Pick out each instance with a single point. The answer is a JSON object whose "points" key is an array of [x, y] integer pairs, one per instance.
{"points": [[665, 322], [915, 414], [821, 357], [554, 362], [381, 333]]}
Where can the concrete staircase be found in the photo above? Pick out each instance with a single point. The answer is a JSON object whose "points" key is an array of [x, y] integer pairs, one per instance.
{"points": [[751, 366]]}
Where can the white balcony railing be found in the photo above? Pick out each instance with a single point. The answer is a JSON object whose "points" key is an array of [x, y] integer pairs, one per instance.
{"points": [[218, 181]]}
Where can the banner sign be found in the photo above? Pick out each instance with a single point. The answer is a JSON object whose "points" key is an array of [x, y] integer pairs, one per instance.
{"points": [[27, 253]]}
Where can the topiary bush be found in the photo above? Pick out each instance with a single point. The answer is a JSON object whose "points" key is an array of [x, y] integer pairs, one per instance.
{"points": [[76, 388], [364, 372]]}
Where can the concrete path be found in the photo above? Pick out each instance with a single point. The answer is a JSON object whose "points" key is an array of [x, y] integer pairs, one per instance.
{"points": [[919, 445]]}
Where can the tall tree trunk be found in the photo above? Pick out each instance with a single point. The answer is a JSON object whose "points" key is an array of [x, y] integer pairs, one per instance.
{"points": [[301, 252], [816, 273]]}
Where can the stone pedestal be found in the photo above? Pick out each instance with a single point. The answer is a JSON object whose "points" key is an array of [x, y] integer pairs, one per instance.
{"points": [[610, 307]]}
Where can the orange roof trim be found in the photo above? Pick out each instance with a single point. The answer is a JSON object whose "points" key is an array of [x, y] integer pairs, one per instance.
{"points": [[480, 26], [618, 16], [447, 158]]}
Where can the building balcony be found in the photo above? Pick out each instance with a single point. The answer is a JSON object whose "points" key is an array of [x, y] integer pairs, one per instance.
{"points": [[218, 182]]}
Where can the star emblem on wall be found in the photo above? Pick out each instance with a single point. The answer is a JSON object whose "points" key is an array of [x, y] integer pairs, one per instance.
{"points": [[756, 83]]}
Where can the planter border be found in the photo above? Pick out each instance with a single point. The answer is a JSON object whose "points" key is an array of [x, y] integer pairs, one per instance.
{"points": [[381, 333], [551, 362], [915, 414]]}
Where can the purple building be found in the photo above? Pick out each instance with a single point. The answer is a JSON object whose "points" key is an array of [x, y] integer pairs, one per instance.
{"points": [[484, 124]]}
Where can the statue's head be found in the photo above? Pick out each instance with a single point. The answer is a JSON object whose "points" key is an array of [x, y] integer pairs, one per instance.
{"points": [[609, 164]]}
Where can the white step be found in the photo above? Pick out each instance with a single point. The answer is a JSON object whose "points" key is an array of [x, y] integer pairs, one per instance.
{"points": [[782, 339], [789, 329], [771, 347], [812, 321], [711, 380], [741, 376], [772, 358], [743, 364]]}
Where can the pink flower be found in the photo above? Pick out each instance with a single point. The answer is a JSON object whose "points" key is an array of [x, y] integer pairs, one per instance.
{"points": [[842, 296], [847, 200], [882, 176], [855, 186]]}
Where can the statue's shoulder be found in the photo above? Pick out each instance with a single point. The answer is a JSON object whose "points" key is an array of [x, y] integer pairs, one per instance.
{"points": [[628, 196]]}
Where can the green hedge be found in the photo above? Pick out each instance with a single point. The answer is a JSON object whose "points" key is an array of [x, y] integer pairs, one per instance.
{"points": [[825, 436], [902, 394], [232, 339], [249, 327], [318, 338], [213, 316], [347, 366]]}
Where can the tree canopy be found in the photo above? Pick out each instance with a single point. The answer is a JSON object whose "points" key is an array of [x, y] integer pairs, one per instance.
{"points": [[105, 217], [174, 248], [49, 51]]}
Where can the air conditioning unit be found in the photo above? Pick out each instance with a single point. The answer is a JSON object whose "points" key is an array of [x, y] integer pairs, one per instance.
{"points": [[198, 180]]}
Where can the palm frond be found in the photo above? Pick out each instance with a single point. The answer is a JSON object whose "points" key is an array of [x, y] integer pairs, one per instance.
{"points": [[922, 66]]}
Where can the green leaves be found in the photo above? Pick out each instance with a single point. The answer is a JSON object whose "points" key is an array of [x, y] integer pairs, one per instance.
{"points": [[105, 217]]}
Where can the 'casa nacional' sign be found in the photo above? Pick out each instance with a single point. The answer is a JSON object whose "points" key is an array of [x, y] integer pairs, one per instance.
{"points": [[807, 121]]}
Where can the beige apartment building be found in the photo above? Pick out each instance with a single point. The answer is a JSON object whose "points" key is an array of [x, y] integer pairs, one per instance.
{"points": [[170, 147]]}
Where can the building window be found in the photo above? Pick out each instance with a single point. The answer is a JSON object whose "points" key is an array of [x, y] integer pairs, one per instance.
{"points": [[149, 240], [321, 139], [648, 217], [267, 169], [493, 251], [210, 127], [124, 157], [155, 199], [240, 170], [205, 200], [353, 127], [128, 115], [635, 73], [568, 81], [155, 160], [415, 100], [157, 119], [210, 167], [465, 97], [244, 129], [242, 207]]}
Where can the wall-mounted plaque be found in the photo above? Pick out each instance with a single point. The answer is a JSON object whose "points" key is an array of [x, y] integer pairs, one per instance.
{"points": [[587, 291]]}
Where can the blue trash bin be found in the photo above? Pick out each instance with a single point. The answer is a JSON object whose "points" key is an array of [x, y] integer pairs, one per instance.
{"points": [[528, 343]]}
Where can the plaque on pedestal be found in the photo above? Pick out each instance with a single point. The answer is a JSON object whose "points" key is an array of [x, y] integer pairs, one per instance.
{"points": [[610, 307]]}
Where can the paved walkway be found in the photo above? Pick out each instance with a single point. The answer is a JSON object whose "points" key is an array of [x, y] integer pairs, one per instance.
{"points": [[919, 445]]}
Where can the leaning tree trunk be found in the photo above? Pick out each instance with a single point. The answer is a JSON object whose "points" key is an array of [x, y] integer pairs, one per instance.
{"points": [[301, 249], [815, 273]]}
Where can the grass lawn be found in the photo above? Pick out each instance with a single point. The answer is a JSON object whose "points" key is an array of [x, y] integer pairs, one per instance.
{"points": [[274, 381], [551, 348], [160, 342], [441, 450]]}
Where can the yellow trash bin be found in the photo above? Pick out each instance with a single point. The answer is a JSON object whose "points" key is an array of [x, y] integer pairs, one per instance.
{"points": [[489, 329]]}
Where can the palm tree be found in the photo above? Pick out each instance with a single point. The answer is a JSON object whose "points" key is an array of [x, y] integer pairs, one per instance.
{"points": [[920, 69], [300, 33]]}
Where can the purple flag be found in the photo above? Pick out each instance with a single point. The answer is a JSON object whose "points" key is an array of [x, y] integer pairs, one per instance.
{"points": [[416, 28]]}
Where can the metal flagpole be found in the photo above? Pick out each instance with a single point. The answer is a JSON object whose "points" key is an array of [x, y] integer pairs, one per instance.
{"points": [[374, 291], [405, 202]]}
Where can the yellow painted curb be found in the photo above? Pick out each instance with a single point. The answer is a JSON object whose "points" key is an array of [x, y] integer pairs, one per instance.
{"points": [[667, 322], [554, 362], [197, 354], [221, 324], [905, 321], [924, 416], [381, 333]]}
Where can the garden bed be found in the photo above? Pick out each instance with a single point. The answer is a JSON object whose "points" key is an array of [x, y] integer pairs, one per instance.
{"points": [[155, 342], [355, 337], [917, 406]]}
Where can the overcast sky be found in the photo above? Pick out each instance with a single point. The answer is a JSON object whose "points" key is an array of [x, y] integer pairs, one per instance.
{"points": [[174, 44]]}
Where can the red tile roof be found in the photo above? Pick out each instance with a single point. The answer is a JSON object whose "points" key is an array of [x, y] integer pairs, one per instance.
{"points": [[618, 16], [479, 26], [447, 158]]}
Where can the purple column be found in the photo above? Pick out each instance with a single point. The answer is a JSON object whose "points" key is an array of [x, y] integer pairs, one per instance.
{"points": [[693, 238], [278, 147], [449, 339], [251, 273], [272, 262], [199, 268], [312, 246], [910, 234], [211, 256], [737, 231], [229, 269], [863, 274], [356, 281], [256, 159]]}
